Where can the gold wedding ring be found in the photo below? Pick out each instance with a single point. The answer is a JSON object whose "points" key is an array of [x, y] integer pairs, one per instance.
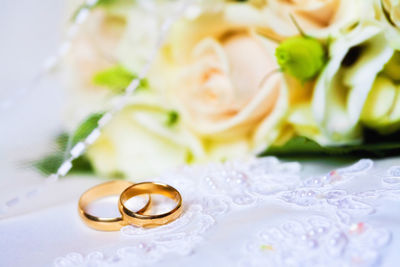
{"points": [[147, 220], [100, 191]]}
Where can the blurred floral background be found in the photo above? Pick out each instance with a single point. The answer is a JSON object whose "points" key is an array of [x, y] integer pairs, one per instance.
{"points": [[232, 79]]}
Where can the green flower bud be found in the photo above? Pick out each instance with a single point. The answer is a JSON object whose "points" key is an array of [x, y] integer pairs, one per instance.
{"points": [[301, 57], [382, 109]]}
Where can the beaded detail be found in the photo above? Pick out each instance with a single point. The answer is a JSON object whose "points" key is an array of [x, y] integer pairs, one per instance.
{"points": [[324, 223]]}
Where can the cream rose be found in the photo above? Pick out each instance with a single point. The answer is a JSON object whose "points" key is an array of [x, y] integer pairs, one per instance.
{"points": [[319, 18], [222, 80], [219, 84], [138, 144]]}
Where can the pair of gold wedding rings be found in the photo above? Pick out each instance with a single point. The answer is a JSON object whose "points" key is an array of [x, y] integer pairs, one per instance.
{"points": [[127, 190]]}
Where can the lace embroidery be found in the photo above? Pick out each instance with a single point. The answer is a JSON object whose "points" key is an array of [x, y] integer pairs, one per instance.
{"points": [[334, 236], [335, 240], [316, 241]]}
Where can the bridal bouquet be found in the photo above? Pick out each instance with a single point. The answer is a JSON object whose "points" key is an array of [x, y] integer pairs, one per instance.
{"points": [[233, 79]]}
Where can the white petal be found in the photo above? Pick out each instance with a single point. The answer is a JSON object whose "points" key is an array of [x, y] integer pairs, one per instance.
{"points": [[340, 93]]}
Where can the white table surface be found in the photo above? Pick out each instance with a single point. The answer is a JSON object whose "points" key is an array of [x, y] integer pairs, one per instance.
{"points": [[48, 226]]}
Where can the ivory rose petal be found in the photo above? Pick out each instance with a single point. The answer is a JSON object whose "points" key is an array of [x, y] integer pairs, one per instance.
{"points": [[225, 82], [137, 143], [221, 89]]}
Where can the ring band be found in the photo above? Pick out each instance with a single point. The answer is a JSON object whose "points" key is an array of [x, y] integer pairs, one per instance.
{"points": [[100, 191], [147, 220]]}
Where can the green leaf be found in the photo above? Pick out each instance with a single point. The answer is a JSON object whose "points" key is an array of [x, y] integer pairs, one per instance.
{"points": [[106, 2], [50, 164], [99, 3], [62, 141], [113, 2], [375, 146], [82, 165], [85, 128], [116, 78], [302, 57], [173, 118]]}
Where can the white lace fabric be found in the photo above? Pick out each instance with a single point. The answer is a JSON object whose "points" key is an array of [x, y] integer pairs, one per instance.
{"points": [[325, 220]]}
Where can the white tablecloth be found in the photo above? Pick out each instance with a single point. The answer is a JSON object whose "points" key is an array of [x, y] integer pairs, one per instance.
{"points": [[50, 229]]}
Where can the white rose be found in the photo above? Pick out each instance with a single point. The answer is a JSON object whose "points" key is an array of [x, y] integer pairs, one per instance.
{"points": [[319, 18], [344, 85], [217, 82], [213, 74], [389, 13], [382, 107], [138, 144]]}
